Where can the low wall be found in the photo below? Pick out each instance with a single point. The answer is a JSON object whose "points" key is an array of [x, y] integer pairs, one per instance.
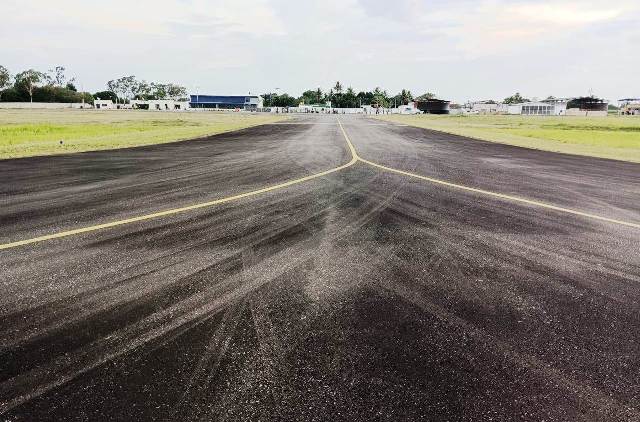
{"points": [[45, 105], [592, 113]]}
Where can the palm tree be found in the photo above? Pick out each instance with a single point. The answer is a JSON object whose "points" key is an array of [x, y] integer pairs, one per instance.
{"points": [[406, 96], [338, 87]]}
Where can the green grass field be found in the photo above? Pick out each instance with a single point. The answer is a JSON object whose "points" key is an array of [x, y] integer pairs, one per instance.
{"points": [[25, 133], [615, 137]]}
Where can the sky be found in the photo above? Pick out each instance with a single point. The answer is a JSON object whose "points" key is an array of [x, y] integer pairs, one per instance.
{"points": [[460, 50]]}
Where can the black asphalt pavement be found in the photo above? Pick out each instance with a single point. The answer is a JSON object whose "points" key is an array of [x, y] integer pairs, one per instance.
{"points": [[359, 295]]}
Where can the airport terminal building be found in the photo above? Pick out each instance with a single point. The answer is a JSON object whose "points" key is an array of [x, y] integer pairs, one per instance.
{"points": [[226, 102]]}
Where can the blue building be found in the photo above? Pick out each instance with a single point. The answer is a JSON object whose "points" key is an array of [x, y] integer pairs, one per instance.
{"points": [[243, 102]]}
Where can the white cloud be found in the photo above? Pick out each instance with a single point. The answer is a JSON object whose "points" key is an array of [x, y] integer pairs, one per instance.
{"points": [[148, 16], [566, 13], [237, 46]]}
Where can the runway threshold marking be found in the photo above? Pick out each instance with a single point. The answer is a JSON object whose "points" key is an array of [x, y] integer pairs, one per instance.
{"points": [[173, 211]]}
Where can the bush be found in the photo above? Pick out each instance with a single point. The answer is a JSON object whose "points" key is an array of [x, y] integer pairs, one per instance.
{"points": [[13, 95], [56, 94], [45, 94]]}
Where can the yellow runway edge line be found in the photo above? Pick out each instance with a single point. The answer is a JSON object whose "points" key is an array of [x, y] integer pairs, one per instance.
{"points": [[354, 159]]}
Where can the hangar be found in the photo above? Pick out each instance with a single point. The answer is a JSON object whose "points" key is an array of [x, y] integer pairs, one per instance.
{"points": [[226, 102], [587, 106], [537, 108]]}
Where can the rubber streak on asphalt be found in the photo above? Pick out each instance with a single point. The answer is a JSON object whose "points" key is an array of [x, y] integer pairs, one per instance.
{"points": [[354, 159]]}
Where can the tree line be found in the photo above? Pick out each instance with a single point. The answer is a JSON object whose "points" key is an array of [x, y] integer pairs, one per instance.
{"points": [[33, 85], [343, 98], [129, 88], [54, 86]]}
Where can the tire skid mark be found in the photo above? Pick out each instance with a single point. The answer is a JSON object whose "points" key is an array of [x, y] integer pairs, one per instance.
{"points": [[209, 363], [188, 208], [102, 298], [271, 350], [212, 300], [594, 399], [29, 385]]}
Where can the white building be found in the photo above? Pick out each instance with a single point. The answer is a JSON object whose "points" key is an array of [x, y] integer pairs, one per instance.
{"points": [[99, 104], [153, 105], [160, 105], [536, 108], [312, 108]]}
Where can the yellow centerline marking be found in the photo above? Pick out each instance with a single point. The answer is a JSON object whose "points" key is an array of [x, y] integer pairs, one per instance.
{"points": [[354, 159], [165, 213], [501, 195], [493, 194]]}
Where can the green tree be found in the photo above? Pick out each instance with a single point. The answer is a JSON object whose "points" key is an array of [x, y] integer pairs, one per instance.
{"points": [[58, 94], [86, 97], [29, 80], [269, 99], [129, 85], [365, 98], [176, 92], [405, 96], [380, 98], [58, 77], [426, 96], [106, 95], [5, 79], [349, 99], [515, 99], [285, 100], [142, 91], [309, 97], [124, 87], [113, 86], [159, 90], [330, 97], [319, 96], [337, 88]]}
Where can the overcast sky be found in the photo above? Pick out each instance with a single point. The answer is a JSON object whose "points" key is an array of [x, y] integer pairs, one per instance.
{"points": [[460, 50]]}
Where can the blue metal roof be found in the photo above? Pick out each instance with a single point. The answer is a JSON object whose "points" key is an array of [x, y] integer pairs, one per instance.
{"points": [[221, 99]]}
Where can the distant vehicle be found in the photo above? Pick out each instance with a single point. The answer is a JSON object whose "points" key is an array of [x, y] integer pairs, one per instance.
{"points": [[409, 109]]}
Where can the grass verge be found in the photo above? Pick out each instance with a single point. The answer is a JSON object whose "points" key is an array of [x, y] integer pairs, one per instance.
{"points": [[26, 133], [613, 137]]}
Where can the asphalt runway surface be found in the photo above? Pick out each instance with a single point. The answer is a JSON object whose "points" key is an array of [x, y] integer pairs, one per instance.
{"points": [[348, 289]]}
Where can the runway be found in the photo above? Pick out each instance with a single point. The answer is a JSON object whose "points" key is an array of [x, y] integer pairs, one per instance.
{"points": [[324, 268]]}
